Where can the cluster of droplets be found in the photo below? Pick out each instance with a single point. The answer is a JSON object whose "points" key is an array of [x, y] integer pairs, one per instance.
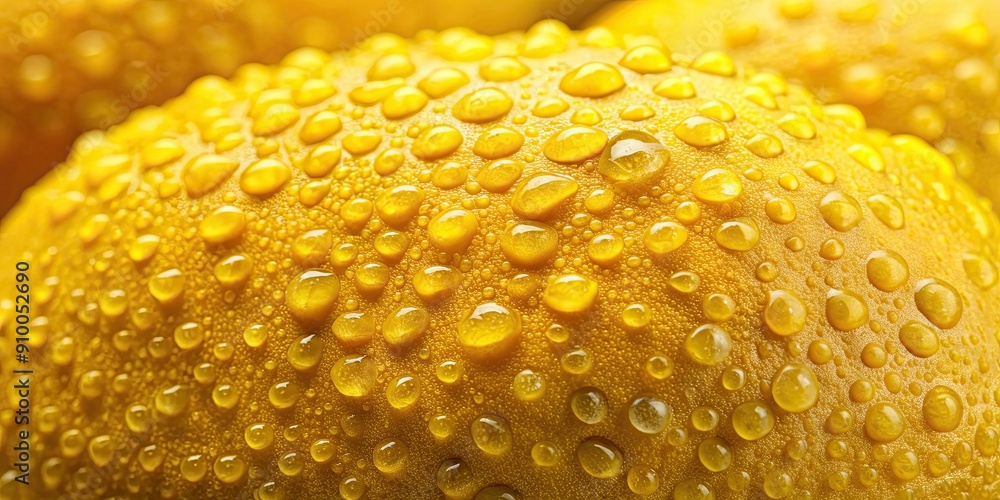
{"points": [[417, 255], [843, 52]]}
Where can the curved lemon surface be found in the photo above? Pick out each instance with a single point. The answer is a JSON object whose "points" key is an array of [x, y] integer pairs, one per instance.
{"points": [[255, 290]]}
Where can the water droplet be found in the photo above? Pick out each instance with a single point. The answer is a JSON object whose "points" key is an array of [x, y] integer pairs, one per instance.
{"points": [[233, 271], [225, 396], [845, 310], [576, 362], [715, 63], [840, 211], [455, 479], [492, 434], [887, 270], [643, 480], [398, 205], [443, 81], [575, 144], [919, 339], [167, 286], [646, 59], [151, 457], [942, 409], [371, 279], [593, 79], [684, 281], [449, 372], [664, 237], [753, 420], [312, 248], [498, 142], [173, 400], [599, 457], [570, 294], [884, 422], [405, 326], [311, 295], [780, 210], [545, 454], [189, 335], [633, 159], [718, 185], [139, 419], [441, 426], [229, 468], [980, 270], [939, 302], [437, 142], [144, 248], [528, 386], [887, 210], [708, 344], [483, 105], [390, 456], [733, 378], [437, 283], [718, 307], [318, 128], [403, 102], [820, 171], [677, 88], [284, 395], [541, 195], [194, 467], [589, 404], [785, 314], [605, 249], [361, 142], [265, 177], [701, 131], [204, 173], [529, 244], [498, 176], [255, 335], [740, 235], [795, 388], [904, 465], [636, 317], [693, 489], [649, 415], [715, 454], [305, 352], [489, 331], [354, 375], [403, 392], [867, 157]]}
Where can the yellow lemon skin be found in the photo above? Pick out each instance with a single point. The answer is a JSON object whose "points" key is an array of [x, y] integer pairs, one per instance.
{"points": [[69, 66], [928, 68], [251, 292]]}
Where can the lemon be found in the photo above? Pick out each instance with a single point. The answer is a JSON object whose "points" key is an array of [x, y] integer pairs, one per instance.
{"points": [[428, 306]]}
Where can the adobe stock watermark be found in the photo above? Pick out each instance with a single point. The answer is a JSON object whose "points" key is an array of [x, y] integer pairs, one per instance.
{"points": [[714, 29], [224, 7], [120, 108], [32, 25], [126, 102], [374, 23], [565, 9], [899, 14]]}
